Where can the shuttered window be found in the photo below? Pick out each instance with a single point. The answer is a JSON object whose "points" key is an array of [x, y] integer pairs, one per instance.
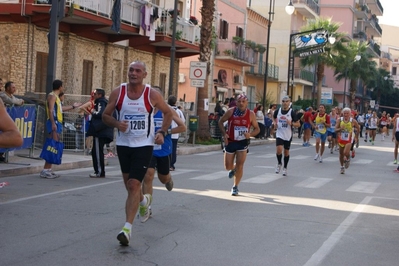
{"points": [[223, 29], [87, 77], [41, 72], [239, 32], [162, 82]]}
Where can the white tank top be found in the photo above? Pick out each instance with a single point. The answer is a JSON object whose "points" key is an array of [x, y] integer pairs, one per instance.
{"points": [[373, 122], [284, 131], [139, 114], [397, 125]]}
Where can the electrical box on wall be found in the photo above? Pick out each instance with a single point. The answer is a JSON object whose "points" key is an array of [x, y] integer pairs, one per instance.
{"points": [[182, 78]]}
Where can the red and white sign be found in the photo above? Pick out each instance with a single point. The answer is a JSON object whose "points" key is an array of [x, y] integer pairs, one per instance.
{"points": [[198, 70]]}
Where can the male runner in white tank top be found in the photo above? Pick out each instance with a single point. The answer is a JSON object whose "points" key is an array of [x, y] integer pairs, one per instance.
{"points": [[134, 103]]}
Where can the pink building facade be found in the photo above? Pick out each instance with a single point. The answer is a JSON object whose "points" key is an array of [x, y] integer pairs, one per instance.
{"points": [[359, 21]]}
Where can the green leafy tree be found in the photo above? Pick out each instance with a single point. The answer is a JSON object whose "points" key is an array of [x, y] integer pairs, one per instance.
{"points": [[328, 58], [352, 68], [382, 84]]}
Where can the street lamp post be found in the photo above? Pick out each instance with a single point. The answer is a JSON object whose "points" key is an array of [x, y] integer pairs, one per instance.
{"points": [[289, 9], [173, 49], [357, 58], [269, 24]]}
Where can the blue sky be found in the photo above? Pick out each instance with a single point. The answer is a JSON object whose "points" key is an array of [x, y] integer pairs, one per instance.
{"points": [[390, 16]]}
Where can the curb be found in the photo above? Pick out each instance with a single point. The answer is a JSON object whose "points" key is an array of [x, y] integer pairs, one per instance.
{"points": [[20, 166], [35, 169], [23, 165]]}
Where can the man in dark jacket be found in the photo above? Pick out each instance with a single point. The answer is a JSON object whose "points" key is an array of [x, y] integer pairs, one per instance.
{"points": [[102, 134]]}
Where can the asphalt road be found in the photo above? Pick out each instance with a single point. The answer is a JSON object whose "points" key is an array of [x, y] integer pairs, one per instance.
{"points": [[314, 216]]}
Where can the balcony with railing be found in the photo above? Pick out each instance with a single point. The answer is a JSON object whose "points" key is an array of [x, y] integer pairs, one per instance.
{"points": [[375, 7], [303, 74], [306, 77], [236, 53], [92, 19], [360, 35], [386, 55], [361, 11], [374, 48], [131, 15], [373, 27], [308, 8], [259, 71]]}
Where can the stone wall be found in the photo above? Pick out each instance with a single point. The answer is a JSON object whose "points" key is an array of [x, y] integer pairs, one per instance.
{"points": [[20, 43]]}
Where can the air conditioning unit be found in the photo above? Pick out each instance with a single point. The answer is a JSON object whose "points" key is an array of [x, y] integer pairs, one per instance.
{"points": [[182, 78]]}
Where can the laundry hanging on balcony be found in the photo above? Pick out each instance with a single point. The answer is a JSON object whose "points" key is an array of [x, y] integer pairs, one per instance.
{"points": [[116, 16], [149, 16]]}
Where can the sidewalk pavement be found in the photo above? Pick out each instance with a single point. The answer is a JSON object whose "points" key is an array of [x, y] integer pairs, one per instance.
{"points": [[22, 164]]}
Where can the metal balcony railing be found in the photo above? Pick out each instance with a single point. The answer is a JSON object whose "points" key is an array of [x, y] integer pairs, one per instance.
{"points": [[386, 55], [310, 3], [259, 69], [360, 35], [131, 15], [304, 74], [380, 6], [237, 51], [375, 47], [374, 22]]}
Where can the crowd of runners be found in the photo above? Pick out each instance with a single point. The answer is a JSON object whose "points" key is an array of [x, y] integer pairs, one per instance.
{"points": [[341, 128]]}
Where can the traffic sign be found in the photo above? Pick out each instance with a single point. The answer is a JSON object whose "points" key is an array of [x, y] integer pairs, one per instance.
{"points": [[372, 103], [198, 70]]}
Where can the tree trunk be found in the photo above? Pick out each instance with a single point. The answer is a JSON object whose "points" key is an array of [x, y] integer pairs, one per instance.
{"points": [[207, 11], [353, 93], [320, 76]]}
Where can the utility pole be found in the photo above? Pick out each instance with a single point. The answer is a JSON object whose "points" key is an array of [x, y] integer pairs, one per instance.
{"points": [[56, 14]]}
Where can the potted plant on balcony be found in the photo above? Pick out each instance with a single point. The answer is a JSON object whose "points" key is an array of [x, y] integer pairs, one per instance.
{"points": [[250, 44], [194, 20], [179, 35], [238, 40], [260, 48], [227, 52]]}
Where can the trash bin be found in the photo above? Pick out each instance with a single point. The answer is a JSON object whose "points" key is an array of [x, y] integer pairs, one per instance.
{"points": [[193, 123]]}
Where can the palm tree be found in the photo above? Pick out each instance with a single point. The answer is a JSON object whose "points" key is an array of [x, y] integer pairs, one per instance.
{"points": [[347, 67], [382, 84], [207, 16], [331, 50]]}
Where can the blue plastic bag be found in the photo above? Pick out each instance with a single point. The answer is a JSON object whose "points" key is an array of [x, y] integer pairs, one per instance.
{"points": [[52, 151]]}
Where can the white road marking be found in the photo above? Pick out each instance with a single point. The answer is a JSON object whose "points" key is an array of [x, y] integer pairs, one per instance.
{"points": [[362, 161], [58, 192], [86, 169], [261, 179], [212, 176], [209, 153], [113, 173], [300, 157], [313, 182], [364, 187], [331, 159], [266, 156], [263, 166], [336, 236]]}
